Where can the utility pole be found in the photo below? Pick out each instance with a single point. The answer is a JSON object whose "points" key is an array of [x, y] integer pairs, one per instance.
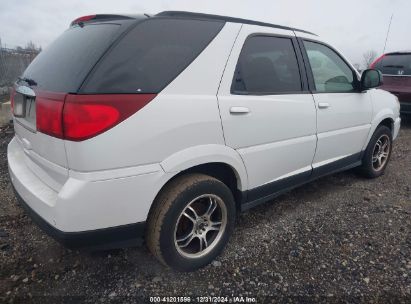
{"points": [[388, 32]]}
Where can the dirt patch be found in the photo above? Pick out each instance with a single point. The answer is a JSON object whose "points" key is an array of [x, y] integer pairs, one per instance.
{"points": [[4, 98], [341, 238]]}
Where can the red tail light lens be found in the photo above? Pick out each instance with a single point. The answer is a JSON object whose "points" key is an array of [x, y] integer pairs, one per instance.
{"points": [[80, 117], [82, 121], [12, 93], [49, 110], [82, 19], [372, 66], [85, 116]]}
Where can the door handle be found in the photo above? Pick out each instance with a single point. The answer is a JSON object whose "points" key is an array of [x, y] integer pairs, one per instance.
{"points": [[239, 110], [323, 105]]}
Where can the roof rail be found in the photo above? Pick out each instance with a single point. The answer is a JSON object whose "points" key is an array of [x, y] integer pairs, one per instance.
{"points": [[183, 14]]}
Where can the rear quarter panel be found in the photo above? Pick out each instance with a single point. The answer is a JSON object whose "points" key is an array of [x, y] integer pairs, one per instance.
{"points": [[183, 115]]}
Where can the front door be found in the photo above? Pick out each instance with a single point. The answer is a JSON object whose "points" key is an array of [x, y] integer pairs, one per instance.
{"points": [[343, 112]]}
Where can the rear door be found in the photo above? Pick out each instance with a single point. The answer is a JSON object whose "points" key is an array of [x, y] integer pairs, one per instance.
{"points": [[58, 70], [267, 112]]}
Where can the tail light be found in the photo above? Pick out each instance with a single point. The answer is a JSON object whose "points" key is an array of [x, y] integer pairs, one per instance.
{"points": [[81, 117], [101, 17], [12, 93], [49, 110], [86, 116], [372, 66], [83, 19]]}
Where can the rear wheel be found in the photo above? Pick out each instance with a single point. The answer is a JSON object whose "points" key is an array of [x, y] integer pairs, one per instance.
{"points": [[191, 222], [378, 153]]}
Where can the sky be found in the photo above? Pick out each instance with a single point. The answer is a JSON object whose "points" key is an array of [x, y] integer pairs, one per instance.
{"points": [[352, 26]]}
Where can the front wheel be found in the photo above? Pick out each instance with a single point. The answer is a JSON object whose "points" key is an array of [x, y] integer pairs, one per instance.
{"points": [[377, 154], [191, 222]]}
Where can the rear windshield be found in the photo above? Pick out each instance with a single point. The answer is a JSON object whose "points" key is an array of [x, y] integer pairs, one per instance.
{"points": [[151, 55], [63, 65], [395, 64]]}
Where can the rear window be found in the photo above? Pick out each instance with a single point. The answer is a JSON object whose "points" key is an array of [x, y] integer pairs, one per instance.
{"points": [[151, 55], [63, 66], [395, 64]]}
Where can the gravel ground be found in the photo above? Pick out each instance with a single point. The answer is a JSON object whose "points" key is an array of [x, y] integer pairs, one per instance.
{"points": [[4, 98], [339, 239]]}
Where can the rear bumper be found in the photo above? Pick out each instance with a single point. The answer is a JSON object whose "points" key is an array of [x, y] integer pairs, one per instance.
{"points": [[405, 108], [91, 209], [107, 238]]}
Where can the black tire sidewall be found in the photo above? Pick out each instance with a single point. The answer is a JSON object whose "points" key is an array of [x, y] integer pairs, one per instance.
{"points": [[367, 158], [167, 247]]}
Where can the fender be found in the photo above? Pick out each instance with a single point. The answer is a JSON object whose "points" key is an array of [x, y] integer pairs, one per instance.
{"points": [[203, 154], [385, 105]]}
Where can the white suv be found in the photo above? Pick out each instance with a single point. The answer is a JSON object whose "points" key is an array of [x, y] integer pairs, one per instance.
{"points": [[166, 127]]}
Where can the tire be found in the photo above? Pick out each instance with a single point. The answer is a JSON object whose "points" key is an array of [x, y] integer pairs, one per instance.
{"points": [[169, 231], [371, 167]]}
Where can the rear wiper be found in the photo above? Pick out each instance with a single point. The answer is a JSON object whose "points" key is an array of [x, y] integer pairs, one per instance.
{"points": [[393, 66], [30, 81]]}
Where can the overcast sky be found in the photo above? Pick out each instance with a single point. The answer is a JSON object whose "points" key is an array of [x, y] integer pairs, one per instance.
{"points": [[352, 26]]}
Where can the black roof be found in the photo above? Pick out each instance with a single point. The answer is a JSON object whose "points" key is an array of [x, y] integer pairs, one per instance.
{"points": [[183, 14]]}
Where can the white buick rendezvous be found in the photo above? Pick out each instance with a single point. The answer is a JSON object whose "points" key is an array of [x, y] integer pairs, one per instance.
{"points": [[165, 127]]}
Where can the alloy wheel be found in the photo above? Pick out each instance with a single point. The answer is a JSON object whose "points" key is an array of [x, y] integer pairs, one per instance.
{"points": [[381, 152], [200, 226]]}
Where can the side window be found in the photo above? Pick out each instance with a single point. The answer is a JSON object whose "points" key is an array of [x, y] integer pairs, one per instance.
{"points": [[330, 72], [267, 65]]}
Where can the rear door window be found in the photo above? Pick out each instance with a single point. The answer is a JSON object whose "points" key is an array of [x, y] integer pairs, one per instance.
{"points": [[395, 64], [63, 65], [267, 65], [151, 55]]}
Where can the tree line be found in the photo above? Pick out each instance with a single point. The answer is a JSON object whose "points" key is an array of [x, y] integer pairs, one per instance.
{"points": [[30, 46]]}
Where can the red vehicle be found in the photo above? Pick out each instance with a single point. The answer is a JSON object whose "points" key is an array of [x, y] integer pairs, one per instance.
{"points": [[396, 68]]}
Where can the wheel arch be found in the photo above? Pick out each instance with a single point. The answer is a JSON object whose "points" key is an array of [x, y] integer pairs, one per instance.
{"points": [[218, 161], [208, 157], [385, 118], [388, 122]]}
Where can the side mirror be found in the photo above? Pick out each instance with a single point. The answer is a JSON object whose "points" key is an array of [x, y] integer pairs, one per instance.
{"points": [[371, 79]]}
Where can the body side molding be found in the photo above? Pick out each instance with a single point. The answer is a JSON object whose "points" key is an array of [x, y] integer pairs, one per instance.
{"points": [[262, 194]]}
